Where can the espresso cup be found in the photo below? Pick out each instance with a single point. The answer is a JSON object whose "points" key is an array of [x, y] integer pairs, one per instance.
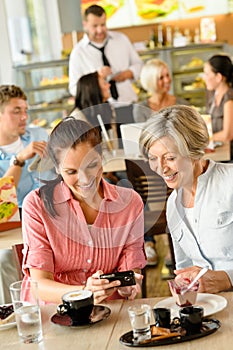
{"points": [[191, 318], [162, 317], [78, 305]]}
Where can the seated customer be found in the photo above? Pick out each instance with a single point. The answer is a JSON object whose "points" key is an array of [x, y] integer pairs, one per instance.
{"points": [[91, 100], [155, 78], [218, 76], [18, 145], [79, 226], [199, 216], [93, 92]]}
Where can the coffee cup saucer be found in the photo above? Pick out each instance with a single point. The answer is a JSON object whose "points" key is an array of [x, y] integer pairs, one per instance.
{"points": [[99, 313]]}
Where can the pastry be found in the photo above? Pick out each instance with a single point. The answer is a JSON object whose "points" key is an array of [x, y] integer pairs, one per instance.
{"points": [[150, 9], [186, 298], [6, 314]]}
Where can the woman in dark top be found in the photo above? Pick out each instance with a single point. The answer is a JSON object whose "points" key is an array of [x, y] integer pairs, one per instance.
{"points": [[92, 99], [218, 76]]}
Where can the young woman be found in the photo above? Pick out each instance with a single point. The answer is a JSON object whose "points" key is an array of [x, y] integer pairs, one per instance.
{"points": [[78, 226], [199, 216], [92, 99], [218, 76], [155, 78]]}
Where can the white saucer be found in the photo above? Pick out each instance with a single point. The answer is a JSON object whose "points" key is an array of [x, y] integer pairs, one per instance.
{"points": [[212, 303]]}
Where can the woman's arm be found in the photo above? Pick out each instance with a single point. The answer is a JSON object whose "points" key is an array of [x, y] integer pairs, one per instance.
{"points": [[226, 134]]}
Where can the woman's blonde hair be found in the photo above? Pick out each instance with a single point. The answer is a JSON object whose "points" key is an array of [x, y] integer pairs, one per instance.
{"points": [[181, 123], [150, 74]]}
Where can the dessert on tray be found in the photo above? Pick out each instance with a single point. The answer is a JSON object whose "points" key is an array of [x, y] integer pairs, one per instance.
{"points": [[183, 297], [6, 314]]}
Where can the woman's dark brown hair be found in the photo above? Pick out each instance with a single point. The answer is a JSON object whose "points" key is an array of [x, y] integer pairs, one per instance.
{"points": [[67, 134]]}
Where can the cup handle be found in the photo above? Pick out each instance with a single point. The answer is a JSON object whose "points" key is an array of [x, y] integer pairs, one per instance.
{"points": [[62, 309]]}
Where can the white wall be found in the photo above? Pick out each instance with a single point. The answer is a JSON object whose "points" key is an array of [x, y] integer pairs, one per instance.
{"points": [[52, 46], [6, 72]]}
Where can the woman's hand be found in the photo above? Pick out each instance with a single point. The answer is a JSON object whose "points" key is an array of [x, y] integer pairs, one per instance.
{"points": [[131, 292], [211, 282], [101, 288]]}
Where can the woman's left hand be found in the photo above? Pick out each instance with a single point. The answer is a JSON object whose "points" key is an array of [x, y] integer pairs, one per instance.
{"points": [[130, 292], [211, 282], [101, 288]]}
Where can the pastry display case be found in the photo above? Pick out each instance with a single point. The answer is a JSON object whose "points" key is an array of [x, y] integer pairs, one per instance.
{"points": [[46, 86], [46, 83], [186, 66], [187, 70]]}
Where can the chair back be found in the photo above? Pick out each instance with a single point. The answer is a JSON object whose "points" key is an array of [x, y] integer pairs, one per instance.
{"points": [[154, 193], [18, 256], [151, 187]]}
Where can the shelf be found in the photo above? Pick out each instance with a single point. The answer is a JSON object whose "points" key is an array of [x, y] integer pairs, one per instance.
{"points": [[44, 98], [40, 65], [47, 87], [186, 48], [50, 107], [189, 70], [186, 66]]}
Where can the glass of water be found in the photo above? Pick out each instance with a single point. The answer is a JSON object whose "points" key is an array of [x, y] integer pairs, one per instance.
{"points": [[140, 316], [24, 295]]}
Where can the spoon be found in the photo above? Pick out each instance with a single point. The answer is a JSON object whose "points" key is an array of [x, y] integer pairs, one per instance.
{"points": [[199, 275]]}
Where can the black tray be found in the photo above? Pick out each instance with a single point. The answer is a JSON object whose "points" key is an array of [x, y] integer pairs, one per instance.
{"points": [[209, 326]]}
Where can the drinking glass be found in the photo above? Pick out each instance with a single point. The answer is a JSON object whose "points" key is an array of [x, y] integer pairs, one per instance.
{"points": [[24, 295], [140, 316]]}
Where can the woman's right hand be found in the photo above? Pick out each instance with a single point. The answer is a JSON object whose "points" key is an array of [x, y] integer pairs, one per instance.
{"points": [[101, 288], [211, 282]]}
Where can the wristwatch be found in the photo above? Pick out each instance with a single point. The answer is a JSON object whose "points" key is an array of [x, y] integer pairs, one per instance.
{"points": [[14, 161]]}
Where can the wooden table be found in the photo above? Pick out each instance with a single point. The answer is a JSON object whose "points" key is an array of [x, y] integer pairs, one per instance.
{"points": [[116, 161], [10, 237], [105, 335], [221, 153]]}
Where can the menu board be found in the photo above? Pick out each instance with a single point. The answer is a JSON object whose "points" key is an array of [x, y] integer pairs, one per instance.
{"points": [[124, 13], [9, 211]]}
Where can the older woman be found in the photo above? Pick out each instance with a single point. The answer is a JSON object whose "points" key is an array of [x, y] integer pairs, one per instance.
{"points": [[155, 78], [78, 226], [200, 209]]}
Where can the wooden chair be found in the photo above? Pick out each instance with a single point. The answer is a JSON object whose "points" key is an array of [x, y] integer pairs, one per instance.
{"points": [[18, 256], [154, 193]]}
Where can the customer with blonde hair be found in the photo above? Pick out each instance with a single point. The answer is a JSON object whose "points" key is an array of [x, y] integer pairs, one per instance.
{"points": [[156, 79], [199, 216]]}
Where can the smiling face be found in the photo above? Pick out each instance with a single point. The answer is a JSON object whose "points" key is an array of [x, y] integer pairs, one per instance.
{"points": [[96, 28], [211, 78], [164, 81], [13, 118], [104, 88], [81, 169], [165, 159]]}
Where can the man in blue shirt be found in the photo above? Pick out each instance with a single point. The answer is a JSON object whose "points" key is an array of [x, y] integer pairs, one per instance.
{"points": [[19, 144]]}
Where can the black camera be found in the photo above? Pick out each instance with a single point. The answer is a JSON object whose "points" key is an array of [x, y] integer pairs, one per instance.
{"points": [[125, 277]]}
